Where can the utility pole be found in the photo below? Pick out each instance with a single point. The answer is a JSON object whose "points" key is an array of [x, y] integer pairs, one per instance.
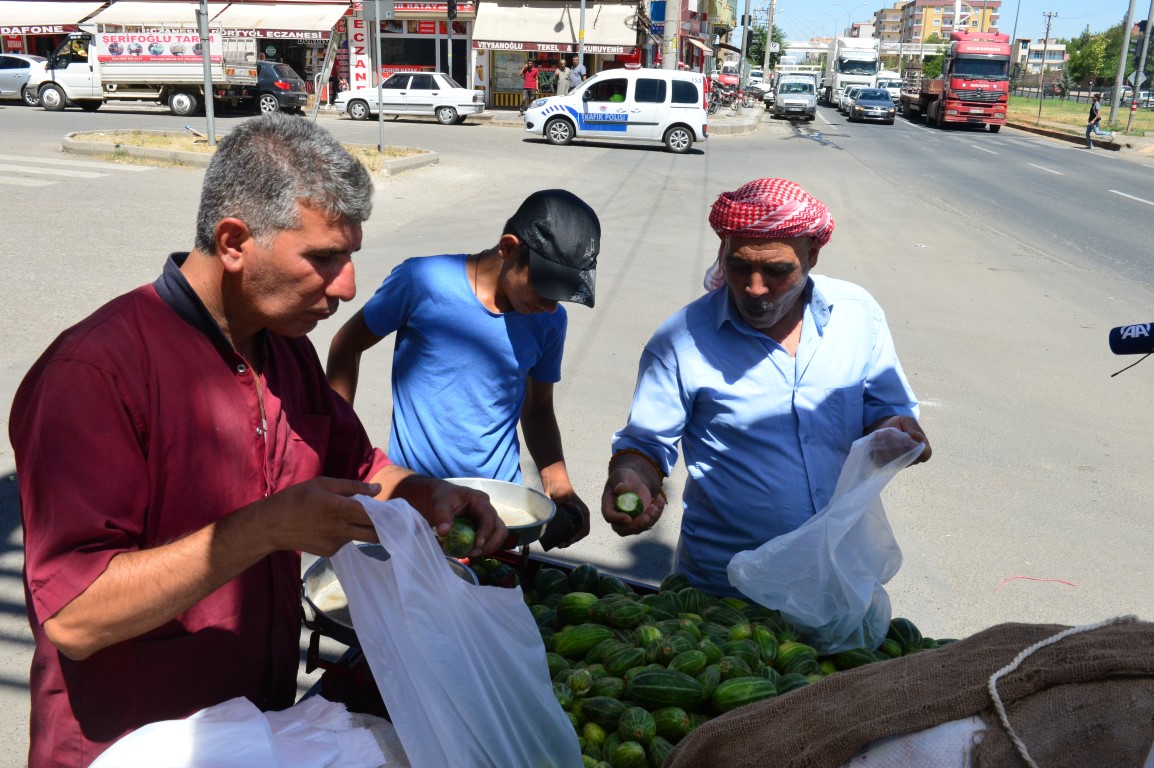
{"points": [[1120, 78], [1042, 69], [1014, 39], [1140, 73], [769, 38], [742, 67], [672, 27]]}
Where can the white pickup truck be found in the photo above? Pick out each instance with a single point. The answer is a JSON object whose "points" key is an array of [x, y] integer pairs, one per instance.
{"points": [[90, 68]]}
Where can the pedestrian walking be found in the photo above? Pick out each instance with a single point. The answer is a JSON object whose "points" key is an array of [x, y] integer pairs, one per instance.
{"points": [[1093, 124]]}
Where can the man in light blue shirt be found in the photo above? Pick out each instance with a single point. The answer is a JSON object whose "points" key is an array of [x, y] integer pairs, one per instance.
{"points": [[764, 382]]}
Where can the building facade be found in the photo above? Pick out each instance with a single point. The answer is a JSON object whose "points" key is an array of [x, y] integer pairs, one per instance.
{"points": [[922, 19]]}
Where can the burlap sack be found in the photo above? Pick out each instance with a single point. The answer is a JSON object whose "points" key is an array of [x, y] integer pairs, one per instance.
{"points": [[824, 724]]}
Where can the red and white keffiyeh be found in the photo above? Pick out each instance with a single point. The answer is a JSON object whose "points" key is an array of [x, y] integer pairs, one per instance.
{"points": [[772, 209]]}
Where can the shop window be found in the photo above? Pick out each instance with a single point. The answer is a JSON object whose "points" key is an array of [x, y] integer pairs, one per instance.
{"points": [[650, 91], [613, 89], [685, 92]]}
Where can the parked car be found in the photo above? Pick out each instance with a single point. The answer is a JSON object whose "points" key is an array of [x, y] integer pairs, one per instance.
{"points": [[280, 87], [414, 93], [15, 69], [872, 104], [627, 104]]}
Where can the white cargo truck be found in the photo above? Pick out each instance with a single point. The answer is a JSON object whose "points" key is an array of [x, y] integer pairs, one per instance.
{"points": [[850, 61], [91, 68]]}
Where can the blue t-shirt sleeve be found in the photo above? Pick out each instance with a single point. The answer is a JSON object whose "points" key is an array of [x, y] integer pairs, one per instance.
{"points": [[547, 369], [388, 308]]}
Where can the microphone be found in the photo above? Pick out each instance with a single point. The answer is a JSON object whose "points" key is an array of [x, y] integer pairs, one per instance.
{"points": [[1132, 339]]}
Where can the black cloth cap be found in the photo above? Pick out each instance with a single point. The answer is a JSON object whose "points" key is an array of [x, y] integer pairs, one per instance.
{"points": [[563, 236]]}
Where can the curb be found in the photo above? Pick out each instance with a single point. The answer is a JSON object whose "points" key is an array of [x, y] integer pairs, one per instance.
{"points": [[201, 159], [1065, 136]]}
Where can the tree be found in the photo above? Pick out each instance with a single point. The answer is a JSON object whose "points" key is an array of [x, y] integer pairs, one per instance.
{"points": [[932, 67], [1087, 59], [756, 49], [933, 39]]}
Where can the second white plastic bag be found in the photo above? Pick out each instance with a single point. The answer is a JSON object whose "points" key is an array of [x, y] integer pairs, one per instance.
{"points": [[461, 668], [827, 576]]}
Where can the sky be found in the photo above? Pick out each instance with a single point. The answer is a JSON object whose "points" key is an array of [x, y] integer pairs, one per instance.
{"points": [[803, 19]]}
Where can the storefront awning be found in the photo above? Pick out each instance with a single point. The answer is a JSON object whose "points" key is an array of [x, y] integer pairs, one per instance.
{"points": [[23, 18], [697, 43], [128, 13], [610, 28], [281, 19]]}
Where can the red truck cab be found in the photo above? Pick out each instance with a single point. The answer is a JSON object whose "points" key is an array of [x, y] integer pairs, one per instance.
{"points": [[975, 80]]}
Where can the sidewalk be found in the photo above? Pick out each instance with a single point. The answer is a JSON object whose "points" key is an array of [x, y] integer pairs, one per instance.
{"points": [[1143, 146]]}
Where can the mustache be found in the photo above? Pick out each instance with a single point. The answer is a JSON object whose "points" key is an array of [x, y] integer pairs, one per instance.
{"points": [[758, 306]]}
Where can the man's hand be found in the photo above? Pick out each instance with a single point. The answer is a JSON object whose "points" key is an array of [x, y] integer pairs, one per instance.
{"points": [[317, 516], [910, 426], [627, 481], [571, 505], [440, 502]]}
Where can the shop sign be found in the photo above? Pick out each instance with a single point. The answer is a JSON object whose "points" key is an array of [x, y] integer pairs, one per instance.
{"points": [[360, 67], [13, 43], [498, 45], [279, 34], [43, 29]]}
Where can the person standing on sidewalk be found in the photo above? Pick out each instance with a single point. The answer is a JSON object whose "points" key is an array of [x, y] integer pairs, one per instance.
{"points": [[563, 78], [577, 73], [529, 72], [1093, 124]]}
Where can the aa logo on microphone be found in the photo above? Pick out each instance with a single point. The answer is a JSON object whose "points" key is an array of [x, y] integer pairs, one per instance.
{"points": [[1135, 331]]}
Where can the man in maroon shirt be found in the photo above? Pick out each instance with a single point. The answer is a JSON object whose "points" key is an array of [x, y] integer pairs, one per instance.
{"points": [[177, 449]]}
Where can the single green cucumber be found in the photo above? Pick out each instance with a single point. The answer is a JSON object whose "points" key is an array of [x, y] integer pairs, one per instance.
{"points": [[629, 503]]}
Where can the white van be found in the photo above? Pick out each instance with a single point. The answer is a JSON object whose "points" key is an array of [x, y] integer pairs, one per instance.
{"points": [[643, 104]]}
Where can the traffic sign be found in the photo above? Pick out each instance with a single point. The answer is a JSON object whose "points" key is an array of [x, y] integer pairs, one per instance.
{"points": [[1130, 78]]}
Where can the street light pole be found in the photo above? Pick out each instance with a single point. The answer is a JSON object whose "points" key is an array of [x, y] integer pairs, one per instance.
{"points": [[1042, 69], [1140, 73], [769, 38], [1121, 76], [742, 66]]}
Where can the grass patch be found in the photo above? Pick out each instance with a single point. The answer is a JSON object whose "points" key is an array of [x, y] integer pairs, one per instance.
{"points": [[1074, 114], [369, 156]]}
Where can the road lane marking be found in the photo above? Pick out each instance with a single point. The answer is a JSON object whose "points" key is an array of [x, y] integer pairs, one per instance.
{"points": [[77, 163], [52, 172], [1047, 170], [1123, 194], [16, 182], [992, 152], [827, 122]]}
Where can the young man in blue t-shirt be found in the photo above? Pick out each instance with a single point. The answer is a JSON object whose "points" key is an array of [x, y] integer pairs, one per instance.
{"points": [[478, 348]]}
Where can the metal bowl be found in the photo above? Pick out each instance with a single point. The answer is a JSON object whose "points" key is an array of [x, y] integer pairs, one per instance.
{"points": [[327, 609], [512, 500]]}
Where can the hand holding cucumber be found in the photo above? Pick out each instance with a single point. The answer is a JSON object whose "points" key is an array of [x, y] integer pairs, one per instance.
{"points": [[628, 505]]}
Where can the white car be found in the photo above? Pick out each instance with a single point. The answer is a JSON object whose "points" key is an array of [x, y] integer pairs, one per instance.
{"points": [[414, 93], [15, 69]]}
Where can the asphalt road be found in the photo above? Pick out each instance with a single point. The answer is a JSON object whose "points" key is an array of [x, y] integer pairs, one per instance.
{"points": [[1002, 261]]}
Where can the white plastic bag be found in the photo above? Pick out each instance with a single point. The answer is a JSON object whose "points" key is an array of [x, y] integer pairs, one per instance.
{"points": [[826, 577], [314, 733], [460, 667]]}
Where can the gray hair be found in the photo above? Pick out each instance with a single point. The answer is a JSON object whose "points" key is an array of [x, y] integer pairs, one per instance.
{"points": [[270, 165]]}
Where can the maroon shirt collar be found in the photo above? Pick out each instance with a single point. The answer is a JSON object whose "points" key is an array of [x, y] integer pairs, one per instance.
{"points": [[174, 289]]}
